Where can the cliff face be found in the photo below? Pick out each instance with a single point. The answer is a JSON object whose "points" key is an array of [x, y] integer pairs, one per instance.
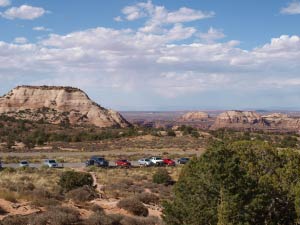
{"points": [[57, 104], [251, 120], [239, 120], [194, 116]]}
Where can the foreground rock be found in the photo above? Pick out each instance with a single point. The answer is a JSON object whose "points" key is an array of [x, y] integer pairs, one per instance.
{"points": [[58, 105]]}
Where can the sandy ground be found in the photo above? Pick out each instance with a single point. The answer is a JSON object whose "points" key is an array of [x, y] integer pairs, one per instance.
{"points": [[22, 208]]}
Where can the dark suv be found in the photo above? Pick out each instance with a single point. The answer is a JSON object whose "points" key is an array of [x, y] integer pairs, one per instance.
{"points": [[97, 161]]}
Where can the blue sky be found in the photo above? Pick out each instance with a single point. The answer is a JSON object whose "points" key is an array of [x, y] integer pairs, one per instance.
{"points": [[157, 55]]}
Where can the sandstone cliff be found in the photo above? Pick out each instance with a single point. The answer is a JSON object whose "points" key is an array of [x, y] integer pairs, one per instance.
{"points": [[194, 116], [239, 120], [282, 122], [56, 105]]}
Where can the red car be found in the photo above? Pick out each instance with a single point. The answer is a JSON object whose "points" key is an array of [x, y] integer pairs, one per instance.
{"points": [[123, 163], [169, 162]]}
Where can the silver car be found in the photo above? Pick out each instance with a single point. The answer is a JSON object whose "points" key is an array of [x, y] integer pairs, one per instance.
{"points": [[24, 164], [145, 162]]}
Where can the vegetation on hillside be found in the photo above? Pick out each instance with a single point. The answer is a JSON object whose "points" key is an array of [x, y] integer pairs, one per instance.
{"points": [[240, 182]]}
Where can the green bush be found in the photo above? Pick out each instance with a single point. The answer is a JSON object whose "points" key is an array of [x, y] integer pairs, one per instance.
{"points": [[14, 220], [171, 133], [161, 176], [82, 194], [70, 180], [243, 182], [56, 216], [134, 206], [147, 198]]}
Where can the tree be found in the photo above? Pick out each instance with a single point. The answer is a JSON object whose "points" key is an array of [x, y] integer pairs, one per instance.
{"points": [[238, 183]]}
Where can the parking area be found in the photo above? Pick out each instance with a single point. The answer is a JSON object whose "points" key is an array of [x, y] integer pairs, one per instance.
{"points": [[75, 165]]}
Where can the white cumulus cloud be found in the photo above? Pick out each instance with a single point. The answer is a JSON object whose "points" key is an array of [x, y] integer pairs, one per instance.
{"points": [[4, 3], [20, 40], [25, 12], [212, 35], [41, 28], [292, 8]]}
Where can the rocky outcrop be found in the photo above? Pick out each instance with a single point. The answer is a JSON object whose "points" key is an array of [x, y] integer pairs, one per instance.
{"points": [[194, 116], [239, 120], [249, 120], [56, 105], [282, 122]]}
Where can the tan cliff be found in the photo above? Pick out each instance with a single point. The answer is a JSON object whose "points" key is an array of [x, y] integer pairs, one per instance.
{"points": [[241, 120], [194, 116], [55, 104], [236, 119]]}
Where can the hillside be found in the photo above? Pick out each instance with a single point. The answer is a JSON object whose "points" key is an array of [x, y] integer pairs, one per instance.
{"points": [[57, 105]]}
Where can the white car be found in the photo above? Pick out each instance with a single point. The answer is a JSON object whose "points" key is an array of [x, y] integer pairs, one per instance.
{"points": [[51, 163], [157, 160], [145, 162], [24, 164]]}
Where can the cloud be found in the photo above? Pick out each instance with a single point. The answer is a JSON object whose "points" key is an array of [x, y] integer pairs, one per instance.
{"points": [[166, 63], [291, 9], [25, 12], [4, 3], [41, 28], [126, 60], [158, 16], [118, 19], [20, 40], [211, 35]]}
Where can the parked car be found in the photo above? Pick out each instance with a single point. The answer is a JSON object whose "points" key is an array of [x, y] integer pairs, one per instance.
{"points": [[169, 162], [157, 161], [145, 162], [183, 160], [24, 163], [97, 161], [123, 163], [51, 163]]}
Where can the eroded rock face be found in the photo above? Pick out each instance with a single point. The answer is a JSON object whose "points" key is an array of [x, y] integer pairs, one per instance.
{"points": [[56, 105], [194, 116], [239, 120], [283, 122]]}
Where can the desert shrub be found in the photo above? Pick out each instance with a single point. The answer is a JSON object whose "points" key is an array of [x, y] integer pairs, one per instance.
{"points": [[100, 218], [171, 133], [134, 206], [147, 198], [14, 220], [2, 211], [70, 180], [8, 195], [82, 194], [8, 170], [161, 176], [139, 221], [96, 208], [56, 216], [42, 202]]}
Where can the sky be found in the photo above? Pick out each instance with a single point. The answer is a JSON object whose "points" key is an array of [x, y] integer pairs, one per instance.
{"points": [[157, 55]]}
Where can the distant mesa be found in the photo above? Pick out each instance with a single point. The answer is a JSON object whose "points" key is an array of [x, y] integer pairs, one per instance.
{"points": [[194, 116], [245, 120], [57, 104], [237, 119]]}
